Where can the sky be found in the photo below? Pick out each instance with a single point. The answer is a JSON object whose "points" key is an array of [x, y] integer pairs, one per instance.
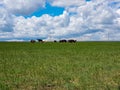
{"points": [[83, 20]]}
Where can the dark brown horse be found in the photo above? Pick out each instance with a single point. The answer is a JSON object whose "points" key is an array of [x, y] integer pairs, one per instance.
{"points": [[55, 41], [32, 41], [61, 41], [72, 41], [40, 40]]}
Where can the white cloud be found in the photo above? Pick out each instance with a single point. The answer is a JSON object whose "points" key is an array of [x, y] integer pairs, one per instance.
{"points": [[5, 20], [15, 40], [94, 20], [1, 2], [118, 11], [40, 26], [28, 27], [67, 3], [23, 7]]}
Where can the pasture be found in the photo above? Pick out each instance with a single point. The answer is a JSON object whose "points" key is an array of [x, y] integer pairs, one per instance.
{"points": [[60, 66]]}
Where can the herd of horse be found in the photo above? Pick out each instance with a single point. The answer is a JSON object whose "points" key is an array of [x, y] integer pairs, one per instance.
{"points": [[61, 41]]}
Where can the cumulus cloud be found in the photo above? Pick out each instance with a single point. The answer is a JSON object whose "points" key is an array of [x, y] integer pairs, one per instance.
{"points": [[40, 26], [30, 27], [67, 3], [23, 7], [81, 20], [5, 20]]}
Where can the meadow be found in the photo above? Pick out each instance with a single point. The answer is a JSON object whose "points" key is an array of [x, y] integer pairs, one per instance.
{"points": [[60, 66]]}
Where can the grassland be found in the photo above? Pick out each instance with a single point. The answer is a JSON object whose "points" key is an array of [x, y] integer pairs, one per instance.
{"points": [[60, 66]]}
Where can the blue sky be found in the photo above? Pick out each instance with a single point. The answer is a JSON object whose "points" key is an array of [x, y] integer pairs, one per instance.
{"points": [[48, 9], [59, 19]]}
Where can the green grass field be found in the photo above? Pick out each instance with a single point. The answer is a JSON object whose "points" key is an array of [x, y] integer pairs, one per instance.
{"points": [[60, 66]]}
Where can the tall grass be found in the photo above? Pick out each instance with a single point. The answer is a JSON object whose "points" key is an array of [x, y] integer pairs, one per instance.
{"points": [[60, 66]]}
